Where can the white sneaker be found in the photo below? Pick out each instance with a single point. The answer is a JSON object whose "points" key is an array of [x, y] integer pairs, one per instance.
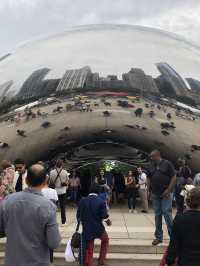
{"points": [[134, 211], [130, 211]]}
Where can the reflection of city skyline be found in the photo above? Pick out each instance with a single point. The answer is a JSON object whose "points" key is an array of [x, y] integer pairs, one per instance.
{"points": [[83, 79]]}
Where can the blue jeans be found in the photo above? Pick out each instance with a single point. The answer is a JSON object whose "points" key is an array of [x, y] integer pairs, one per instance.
{"points": [[162, 207], [74, 194], [131, 194]]}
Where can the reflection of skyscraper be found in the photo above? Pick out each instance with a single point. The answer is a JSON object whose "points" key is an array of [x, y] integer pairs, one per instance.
{"points": [[31, 87], [74, 79], [194, 85], [48, 86], [172, 77], [4, 88], [138, 80]]}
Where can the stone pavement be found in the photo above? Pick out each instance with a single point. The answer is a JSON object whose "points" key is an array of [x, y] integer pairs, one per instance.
{"points": [[132, 226]]}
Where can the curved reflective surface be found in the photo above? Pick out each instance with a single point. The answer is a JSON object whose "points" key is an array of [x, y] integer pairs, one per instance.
{"points": [[107, 49], [101, 84]]}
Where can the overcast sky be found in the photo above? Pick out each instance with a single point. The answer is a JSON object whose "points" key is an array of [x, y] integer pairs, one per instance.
{"points": [[22, 20]]}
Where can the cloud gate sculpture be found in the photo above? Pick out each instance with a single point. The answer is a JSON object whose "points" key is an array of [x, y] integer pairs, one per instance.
{"points": [[101, 91]]}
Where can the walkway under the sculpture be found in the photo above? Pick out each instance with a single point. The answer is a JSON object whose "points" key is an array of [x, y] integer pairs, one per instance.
{"points": [[125, 225]]}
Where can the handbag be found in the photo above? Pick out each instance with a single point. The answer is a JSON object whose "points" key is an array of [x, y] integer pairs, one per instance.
{"points": [[72, 244], [76, 238]]}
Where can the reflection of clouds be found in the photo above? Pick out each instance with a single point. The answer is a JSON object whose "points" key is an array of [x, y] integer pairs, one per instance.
{"points": [[27, 19], [184, 20], [106, 49]]}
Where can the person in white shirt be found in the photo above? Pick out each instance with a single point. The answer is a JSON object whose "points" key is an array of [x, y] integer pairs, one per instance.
{"points": [[143, 191], [59, 179], [52, 195]]}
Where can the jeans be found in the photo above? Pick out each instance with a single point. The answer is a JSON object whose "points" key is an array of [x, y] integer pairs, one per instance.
{"points": [[162, 207], [103, 250], [74, 194], [62, 202], [131, 194]]}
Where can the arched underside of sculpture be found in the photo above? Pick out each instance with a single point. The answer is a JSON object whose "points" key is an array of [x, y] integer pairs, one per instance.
{"points": [[72, 133]]}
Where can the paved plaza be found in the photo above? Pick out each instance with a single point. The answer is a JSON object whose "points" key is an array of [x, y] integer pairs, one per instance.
{"points": [[137, 227]]}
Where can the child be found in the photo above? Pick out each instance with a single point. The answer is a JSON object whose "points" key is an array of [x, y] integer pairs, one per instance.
{"points": [[52, 195]]}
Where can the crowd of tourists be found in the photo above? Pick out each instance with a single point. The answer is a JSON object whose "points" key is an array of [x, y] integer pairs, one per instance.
{"points": [[28, 218]]}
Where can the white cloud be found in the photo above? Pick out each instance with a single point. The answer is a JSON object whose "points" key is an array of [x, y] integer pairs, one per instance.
{"points": [[21, 20], [184, 21]]}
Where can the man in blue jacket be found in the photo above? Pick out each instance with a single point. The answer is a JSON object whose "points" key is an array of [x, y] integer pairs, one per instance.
{"points": [[91, 213]]}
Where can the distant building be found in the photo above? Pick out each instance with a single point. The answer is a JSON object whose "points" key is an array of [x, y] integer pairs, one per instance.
{"points": [[172, 77], [110, 82], [31, 87], [194, 85], [105, 84], [92, 79], [4, 88], [138, 80], [151, 85], [48, 86], [112, 77], [74, 79]]}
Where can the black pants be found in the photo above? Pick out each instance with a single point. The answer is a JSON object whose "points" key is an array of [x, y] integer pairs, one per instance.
{"points": [[62, 203], [179, 202], [51, 256], [131, 195]]}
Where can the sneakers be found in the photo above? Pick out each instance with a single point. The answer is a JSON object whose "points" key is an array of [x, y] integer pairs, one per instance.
{"points": [[132, 211], [156, 242]]}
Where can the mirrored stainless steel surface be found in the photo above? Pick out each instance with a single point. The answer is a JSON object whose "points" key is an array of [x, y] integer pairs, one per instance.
{"points": [[81, 88]]}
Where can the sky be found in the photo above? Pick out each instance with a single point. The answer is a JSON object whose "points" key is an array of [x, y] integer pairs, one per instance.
{"points": [[25, 20]]}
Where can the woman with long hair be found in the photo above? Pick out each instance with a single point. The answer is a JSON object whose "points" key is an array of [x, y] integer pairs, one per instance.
{"points": [[131, 190]]}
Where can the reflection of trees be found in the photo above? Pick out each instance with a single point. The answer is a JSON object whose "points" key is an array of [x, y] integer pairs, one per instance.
{"points": [[11, 104], [186, 100]]}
